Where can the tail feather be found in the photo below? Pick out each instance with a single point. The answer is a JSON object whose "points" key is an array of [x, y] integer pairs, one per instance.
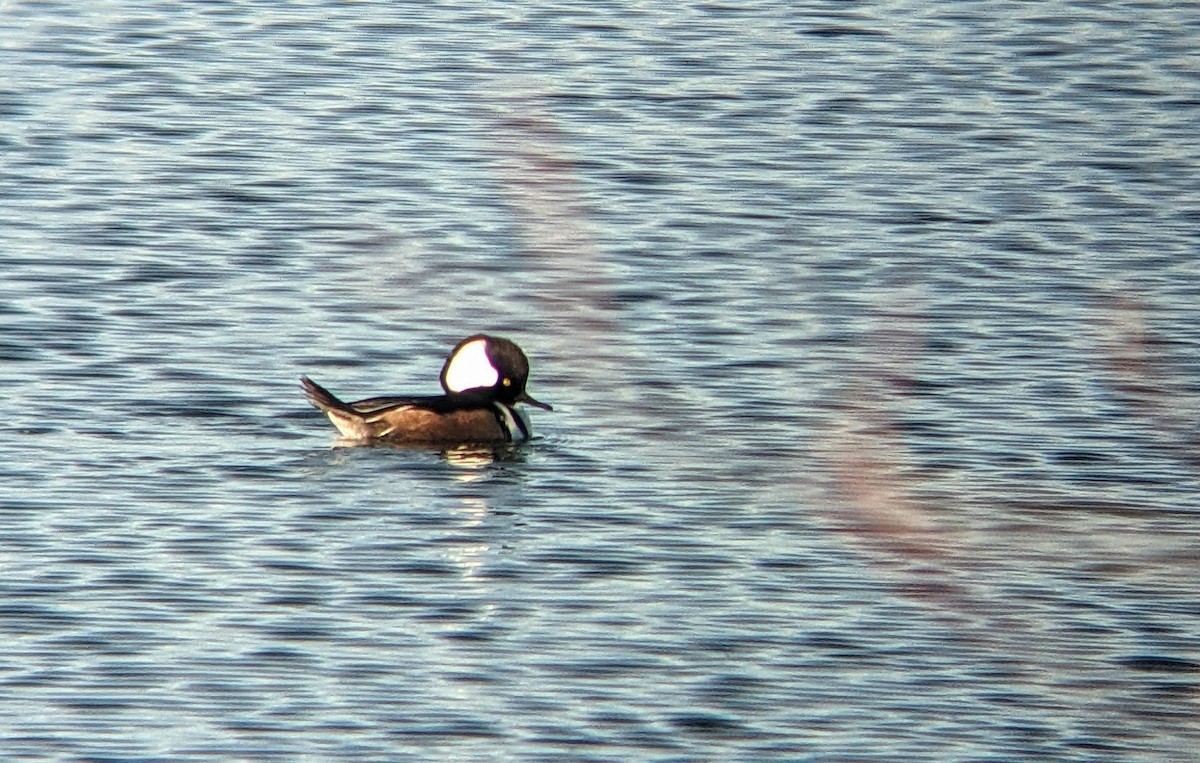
{"points": [[343, 415], [323, 398]]}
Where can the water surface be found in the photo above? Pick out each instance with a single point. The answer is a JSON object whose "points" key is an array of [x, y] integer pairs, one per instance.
{"points": [[870, 329]]}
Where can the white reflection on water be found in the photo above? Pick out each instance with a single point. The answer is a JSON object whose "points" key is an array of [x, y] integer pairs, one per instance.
{"points": [[472, 510]]}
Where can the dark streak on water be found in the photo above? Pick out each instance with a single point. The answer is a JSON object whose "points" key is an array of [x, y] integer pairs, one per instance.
{"points": [[871, 331]]}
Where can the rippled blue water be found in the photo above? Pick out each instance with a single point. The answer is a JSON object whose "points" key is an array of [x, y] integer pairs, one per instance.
{"points": [[871, 331]]}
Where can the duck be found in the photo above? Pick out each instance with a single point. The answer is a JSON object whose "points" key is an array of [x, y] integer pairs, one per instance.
{"points": [[483, 380]]}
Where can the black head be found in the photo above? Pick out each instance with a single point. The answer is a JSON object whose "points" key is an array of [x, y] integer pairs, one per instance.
{"points": [[492, 363]]}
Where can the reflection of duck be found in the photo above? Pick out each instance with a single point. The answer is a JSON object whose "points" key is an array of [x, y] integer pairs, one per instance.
{"points": [[484, 378]]}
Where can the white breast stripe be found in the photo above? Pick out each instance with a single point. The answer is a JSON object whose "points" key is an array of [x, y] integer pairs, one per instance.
{"points": [[470, 368], [517, 431]]}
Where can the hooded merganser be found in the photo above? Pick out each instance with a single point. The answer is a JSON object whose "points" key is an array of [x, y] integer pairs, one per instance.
{"points": [[484, 378]]}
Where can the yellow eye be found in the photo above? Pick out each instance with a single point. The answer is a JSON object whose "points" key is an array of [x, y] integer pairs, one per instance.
{"points": [[507, 382]]}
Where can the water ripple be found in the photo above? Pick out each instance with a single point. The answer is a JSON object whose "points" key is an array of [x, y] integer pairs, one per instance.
{"points": [[869, 333]]}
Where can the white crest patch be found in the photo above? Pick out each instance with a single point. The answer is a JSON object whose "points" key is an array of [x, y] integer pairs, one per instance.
{"points": [[471, 368]]}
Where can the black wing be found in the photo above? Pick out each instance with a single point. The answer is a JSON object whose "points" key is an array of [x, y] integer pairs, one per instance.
{"points": [[455, 401]]}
